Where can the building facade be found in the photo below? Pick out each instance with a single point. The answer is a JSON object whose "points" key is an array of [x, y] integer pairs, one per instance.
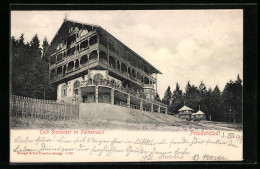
{"points": [[90, 65]]}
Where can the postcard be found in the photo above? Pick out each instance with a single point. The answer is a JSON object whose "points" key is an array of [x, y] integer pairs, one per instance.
{"points": [[126, 86]]}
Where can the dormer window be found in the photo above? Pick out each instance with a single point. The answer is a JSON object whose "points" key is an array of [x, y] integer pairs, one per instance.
{"points": [[72, 29], [60, 46], [83, 32], [71, 39]]}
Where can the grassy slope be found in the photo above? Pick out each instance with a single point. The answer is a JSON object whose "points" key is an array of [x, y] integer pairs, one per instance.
{"points": [[133, 120]]}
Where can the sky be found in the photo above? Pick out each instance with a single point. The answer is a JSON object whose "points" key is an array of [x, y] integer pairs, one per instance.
{"points": [[185, 45]]}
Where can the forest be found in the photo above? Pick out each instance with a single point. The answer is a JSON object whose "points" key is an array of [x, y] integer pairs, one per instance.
{"points": [[30, 78], [217, 105], [30, 68]]}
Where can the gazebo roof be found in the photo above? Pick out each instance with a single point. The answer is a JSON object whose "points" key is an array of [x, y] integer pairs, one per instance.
{"points": [[185, 113], [198, 112], [185, 108]]}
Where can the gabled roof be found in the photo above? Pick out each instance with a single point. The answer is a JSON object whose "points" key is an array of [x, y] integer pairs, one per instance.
{"points": [[103, 30], [185, 108]]}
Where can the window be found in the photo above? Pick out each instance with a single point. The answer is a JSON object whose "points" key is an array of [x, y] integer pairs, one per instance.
{"points": [[146, 80], [52, 60], [93, 55], [113, 82], [76, 84], [76, 92], [112, 61], [71, 51], [93, 40], [59, 57], [102, 56], [84, 60], [64, 91], [83, 45], [59, 70], [70, 66]]}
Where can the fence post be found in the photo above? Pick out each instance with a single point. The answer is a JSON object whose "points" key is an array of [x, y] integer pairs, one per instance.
{"points": [[47, 109], [31, 114], [22, 100], [15, 105], [25, 106], [38, 108], [34, 107], [78, 110], [20, 105]]}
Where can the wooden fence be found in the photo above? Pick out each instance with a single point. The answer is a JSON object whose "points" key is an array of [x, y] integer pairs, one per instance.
{"points": [[44, 109]]}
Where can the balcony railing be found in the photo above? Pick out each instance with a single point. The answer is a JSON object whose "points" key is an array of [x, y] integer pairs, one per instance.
{"points": [[92, 61], [149, 85], [111, 84], [103, 61], [136, 93]]}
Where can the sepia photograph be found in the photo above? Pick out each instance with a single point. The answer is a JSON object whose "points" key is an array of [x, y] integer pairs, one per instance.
{"points": [[126, 85]]}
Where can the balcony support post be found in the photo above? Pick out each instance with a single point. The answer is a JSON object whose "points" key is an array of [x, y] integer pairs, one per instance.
{"points": [[112, 94], [97, 55], [128, 100], [159, 109], [141, 105], [151, 107], [96, 94]]}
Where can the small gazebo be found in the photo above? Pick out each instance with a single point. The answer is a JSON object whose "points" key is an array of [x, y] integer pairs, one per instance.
{"points": [[199, 115], [185, 112]]}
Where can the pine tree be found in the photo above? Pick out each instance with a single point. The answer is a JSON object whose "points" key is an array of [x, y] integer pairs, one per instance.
{"points": [[36, 69], [45, 50], [215, 103], [177, 100], [192, 96], [202, 87], [239, 99], [30, 69], [20, 51], [167, 96], [204, 98], [157, 97], [232, 99]]}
